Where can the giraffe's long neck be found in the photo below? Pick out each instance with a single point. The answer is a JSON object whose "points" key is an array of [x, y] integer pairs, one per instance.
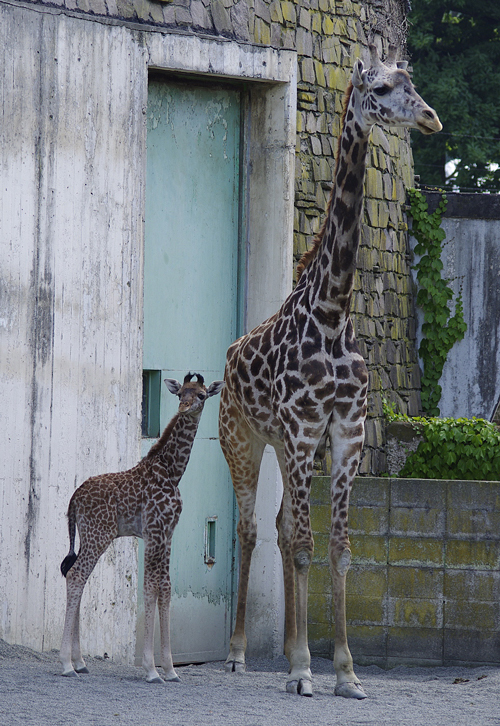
{"points": [[331, 273], [173, 449]]}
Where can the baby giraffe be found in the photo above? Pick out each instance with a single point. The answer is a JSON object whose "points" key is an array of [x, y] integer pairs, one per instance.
{"points": [[142, 502]]}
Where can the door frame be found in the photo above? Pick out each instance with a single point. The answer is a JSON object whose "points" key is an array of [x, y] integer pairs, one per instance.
{"points": [[268, 163]]}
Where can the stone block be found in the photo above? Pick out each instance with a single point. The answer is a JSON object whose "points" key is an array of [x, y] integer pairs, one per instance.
{"points": [[289, 12]]}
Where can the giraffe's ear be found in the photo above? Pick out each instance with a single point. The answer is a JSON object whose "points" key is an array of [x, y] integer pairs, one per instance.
{"points": [[357, 74], [402, 65], [173, 385], [214, 388]]}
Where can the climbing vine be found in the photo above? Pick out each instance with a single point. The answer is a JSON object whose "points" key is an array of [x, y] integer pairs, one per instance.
{"points": [[440, 329], [462, 448]]}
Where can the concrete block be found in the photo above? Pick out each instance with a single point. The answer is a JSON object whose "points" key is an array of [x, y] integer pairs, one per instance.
{"points": [[467, 615], [368, 549], [427, 493], [416, 522], [473, 524], [368, 640], [368, 520], [319, 609], [363, 580], [466, 554], [411, 582], [472, 585], [415, 643], [421, 553], [320, 580], [364, 610], [415, 613], [475, 646]]}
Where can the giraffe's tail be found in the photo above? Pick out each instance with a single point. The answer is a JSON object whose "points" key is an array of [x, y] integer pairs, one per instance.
{"points": [[70, 558]]}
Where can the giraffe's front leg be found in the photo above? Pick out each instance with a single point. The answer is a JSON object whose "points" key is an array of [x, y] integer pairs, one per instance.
{"points": [[296, 546], [346, 451]]}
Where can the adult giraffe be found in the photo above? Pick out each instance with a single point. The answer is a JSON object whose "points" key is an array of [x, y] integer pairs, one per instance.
{"points": [[299, 377]]}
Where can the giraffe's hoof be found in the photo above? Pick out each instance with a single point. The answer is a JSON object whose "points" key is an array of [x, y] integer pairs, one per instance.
{"points": [[234, 666], [174, 679], [70, 674], [301, 687], [84, 669], [350, 690]]}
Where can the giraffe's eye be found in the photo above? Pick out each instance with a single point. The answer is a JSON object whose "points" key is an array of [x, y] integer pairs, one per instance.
{"points": [[201, 396], [382, 90]]}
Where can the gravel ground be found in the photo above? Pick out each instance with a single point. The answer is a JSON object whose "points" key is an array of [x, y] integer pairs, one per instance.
{"points": [[33, 692]]}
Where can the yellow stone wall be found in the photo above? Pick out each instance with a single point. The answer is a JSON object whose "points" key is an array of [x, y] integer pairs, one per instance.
{"points": [[424, 585]]}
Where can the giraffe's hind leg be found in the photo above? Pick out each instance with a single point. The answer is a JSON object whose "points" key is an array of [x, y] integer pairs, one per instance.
{"points": [[296, 546], [70, 653], [243, 452]]}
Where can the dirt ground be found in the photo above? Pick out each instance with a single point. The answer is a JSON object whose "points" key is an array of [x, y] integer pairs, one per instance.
{"points": [[33, 692]]}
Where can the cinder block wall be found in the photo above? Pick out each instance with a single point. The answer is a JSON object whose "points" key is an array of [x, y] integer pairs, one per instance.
{"points": [[424, 586]]}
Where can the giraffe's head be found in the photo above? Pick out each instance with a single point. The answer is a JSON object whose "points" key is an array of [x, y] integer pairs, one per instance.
{"points": [[192, 394], [385, 95]]}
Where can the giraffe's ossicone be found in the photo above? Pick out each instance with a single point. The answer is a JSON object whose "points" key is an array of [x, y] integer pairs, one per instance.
{"points": [[142, 502], [299, 379]]}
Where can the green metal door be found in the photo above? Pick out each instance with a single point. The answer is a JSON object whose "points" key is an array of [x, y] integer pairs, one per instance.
{"points": [[191, 275]]}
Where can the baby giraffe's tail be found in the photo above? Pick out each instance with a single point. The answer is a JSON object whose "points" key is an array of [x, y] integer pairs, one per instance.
{"points": [[70, 558]]}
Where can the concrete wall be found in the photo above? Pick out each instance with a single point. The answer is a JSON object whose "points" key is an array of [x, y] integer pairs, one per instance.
{"points": [[471, 258], [424, 586]]}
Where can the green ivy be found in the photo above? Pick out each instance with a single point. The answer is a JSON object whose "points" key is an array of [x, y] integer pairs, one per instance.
{"points": [[440, 330], [462, 448]]}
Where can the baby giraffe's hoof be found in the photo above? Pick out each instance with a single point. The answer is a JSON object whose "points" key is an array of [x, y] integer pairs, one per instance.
{"points": [[302, 687], [70, 674], [82, 670], [350, 690], [174, 679]]}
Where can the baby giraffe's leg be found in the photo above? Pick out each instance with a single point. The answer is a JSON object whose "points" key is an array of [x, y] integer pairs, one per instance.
{"points": [[76, 579], [153, 554], [164, 595], [76, 653]]}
